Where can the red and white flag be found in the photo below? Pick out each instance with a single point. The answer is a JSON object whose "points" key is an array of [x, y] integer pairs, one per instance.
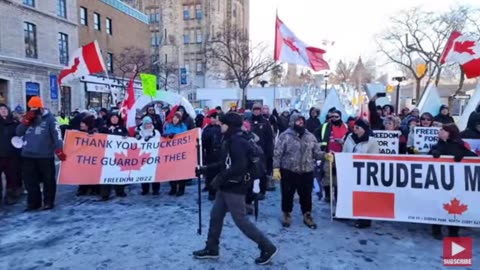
{"points": [[84, 61], [465, 51], [290, 49], [127, 105]]}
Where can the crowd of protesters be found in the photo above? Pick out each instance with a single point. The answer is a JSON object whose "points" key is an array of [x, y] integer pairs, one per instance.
{"points": [[295, 151]]}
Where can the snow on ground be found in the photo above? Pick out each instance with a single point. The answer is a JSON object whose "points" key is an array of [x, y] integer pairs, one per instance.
{"points": [[148, 232]]}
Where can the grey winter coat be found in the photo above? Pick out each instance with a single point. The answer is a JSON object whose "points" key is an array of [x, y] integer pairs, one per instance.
{"points": [[42, 138], [295, 153]]}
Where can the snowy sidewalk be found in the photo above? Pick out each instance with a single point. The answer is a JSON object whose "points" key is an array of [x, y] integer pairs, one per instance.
{"points": [[148, 232]]}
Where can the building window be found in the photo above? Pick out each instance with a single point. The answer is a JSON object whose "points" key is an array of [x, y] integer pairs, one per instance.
{"points": [[187, 67], [155, 39], [186, 13], [63, 48], [62, 8], [83, 16], [234, 10], [186, 38], [30, 3], [96, 21], [110, 62], [199, 67], [199, 37], [199, 12], [30, 35], [108, 26], [154, 17], [65, 99]]}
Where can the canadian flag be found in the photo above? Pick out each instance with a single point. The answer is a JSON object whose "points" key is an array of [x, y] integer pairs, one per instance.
{"points": [[84, 61], [290, 49], [465, 51], [127, 105]]}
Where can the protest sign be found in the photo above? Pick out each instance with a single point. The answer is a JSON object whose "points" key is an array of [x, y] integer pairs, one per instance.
{"points": [[149, 84], [110, 159], [424, 138], [388, 141], [419, 189]]}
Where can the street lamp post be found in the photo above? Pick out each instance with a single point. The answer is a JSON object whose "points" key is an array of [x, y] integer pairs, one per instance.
{"points": [[326, 84], [397, 98]]}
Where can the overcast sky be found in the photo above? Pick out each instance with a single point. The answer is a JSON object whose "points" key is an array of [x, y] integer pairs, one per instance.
{"points": [[352, 24]]}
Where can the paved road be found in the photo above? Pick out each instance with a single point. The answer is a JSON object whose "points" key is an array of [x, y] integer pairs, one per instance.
{"points": [[147, 232]]}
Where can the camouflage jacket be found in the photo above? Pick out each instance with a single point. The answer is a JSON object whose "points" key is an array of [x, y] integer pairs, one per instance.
{"points": [[296, 154]]}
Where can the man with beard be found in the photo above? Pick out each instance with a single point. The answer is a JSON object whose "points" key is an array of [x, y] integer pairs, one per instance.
{"points": [[212, 143], [232, 187], [42, 141], [156, 120], [261, 127]]}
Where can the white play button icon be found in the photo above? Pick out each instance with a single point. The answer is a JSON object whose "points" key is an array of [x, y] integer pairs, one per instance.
{"points": [[456, 249]]}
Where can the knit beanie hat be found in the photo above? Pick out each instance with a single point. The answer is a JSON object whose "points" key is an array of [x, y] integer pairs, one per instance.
{"points": [[363, 124], [232, 119], [35, 102], [146, 120]]}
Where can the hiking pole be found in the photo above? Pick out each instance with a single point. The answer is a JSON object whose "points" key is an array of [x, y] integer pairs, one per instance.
{"points": [[330, 164], [199, 186]]}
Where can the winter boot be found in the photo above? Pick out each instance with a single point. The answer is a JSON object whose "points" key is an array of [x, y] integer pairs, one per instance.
{"points": [[327, 194], [266, 256], [437, 232], [287, 220], [206, 254], [308, 220]]}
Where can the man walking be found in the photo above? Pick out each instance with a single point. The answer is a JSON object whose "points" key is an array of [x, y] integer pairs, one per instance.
{"points": [[232, 184]]}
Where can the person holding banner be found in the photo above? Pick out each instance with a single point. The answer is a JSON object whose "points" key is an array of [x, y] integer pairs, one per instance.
{"points": [[295, 154], [177, 188], [426, 120], [114, 126], [42, 141], [361, 141], [88, 125], [232, 185], [449, 144], [146, 131]]}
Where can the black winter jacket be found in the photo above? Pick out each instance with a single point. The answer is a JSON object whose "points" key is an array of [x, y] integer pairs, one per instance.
{"points": [[262, 128], [313, 122], [8, 129], [234, 152], [457, 149]]}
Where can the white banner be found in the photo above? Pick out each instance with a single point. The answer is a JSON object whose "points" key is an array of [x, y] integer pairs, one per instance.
{"points": [[388, 141], [424, 138], [407, 188]]}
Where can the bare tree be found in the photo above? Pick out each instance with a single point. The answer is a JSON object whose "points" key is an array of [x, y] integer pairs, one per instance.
{"points": [[417, 37], [129, 59], [245, 62], [343, 72]]}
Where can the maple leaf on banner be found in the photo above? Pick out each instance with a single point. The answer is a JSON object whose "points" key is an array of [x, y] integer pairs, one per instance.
{"points": [[131, 155], [455, 207]]}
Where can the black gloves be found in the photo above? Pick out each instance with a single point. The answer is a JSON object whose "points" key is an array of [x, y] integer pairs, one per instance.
{"points": [[171, 136], [199, 170], [436, 154]]}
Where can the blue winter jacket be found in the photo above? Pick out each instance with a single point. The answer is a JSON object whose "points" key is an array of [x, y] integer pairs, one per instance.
{"points": [[175, 129], [42, 138]]}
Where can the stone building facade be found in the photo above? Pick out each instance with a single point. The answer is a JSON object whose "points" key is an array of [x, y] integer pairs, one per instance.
{"points": [[123, 35], [180, 31], [36, 39]]}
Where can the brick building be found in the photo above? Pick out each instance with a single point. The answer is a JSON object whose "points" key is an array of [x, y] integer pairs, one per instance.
{"points": [[36, 39], [123, 36], [180, 31]]}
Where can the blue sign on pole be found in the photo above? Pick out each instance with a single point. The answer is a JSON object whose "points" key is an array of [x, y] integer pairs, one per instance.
{"points": [[53, 87], [183, 76], [32, 89]]}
